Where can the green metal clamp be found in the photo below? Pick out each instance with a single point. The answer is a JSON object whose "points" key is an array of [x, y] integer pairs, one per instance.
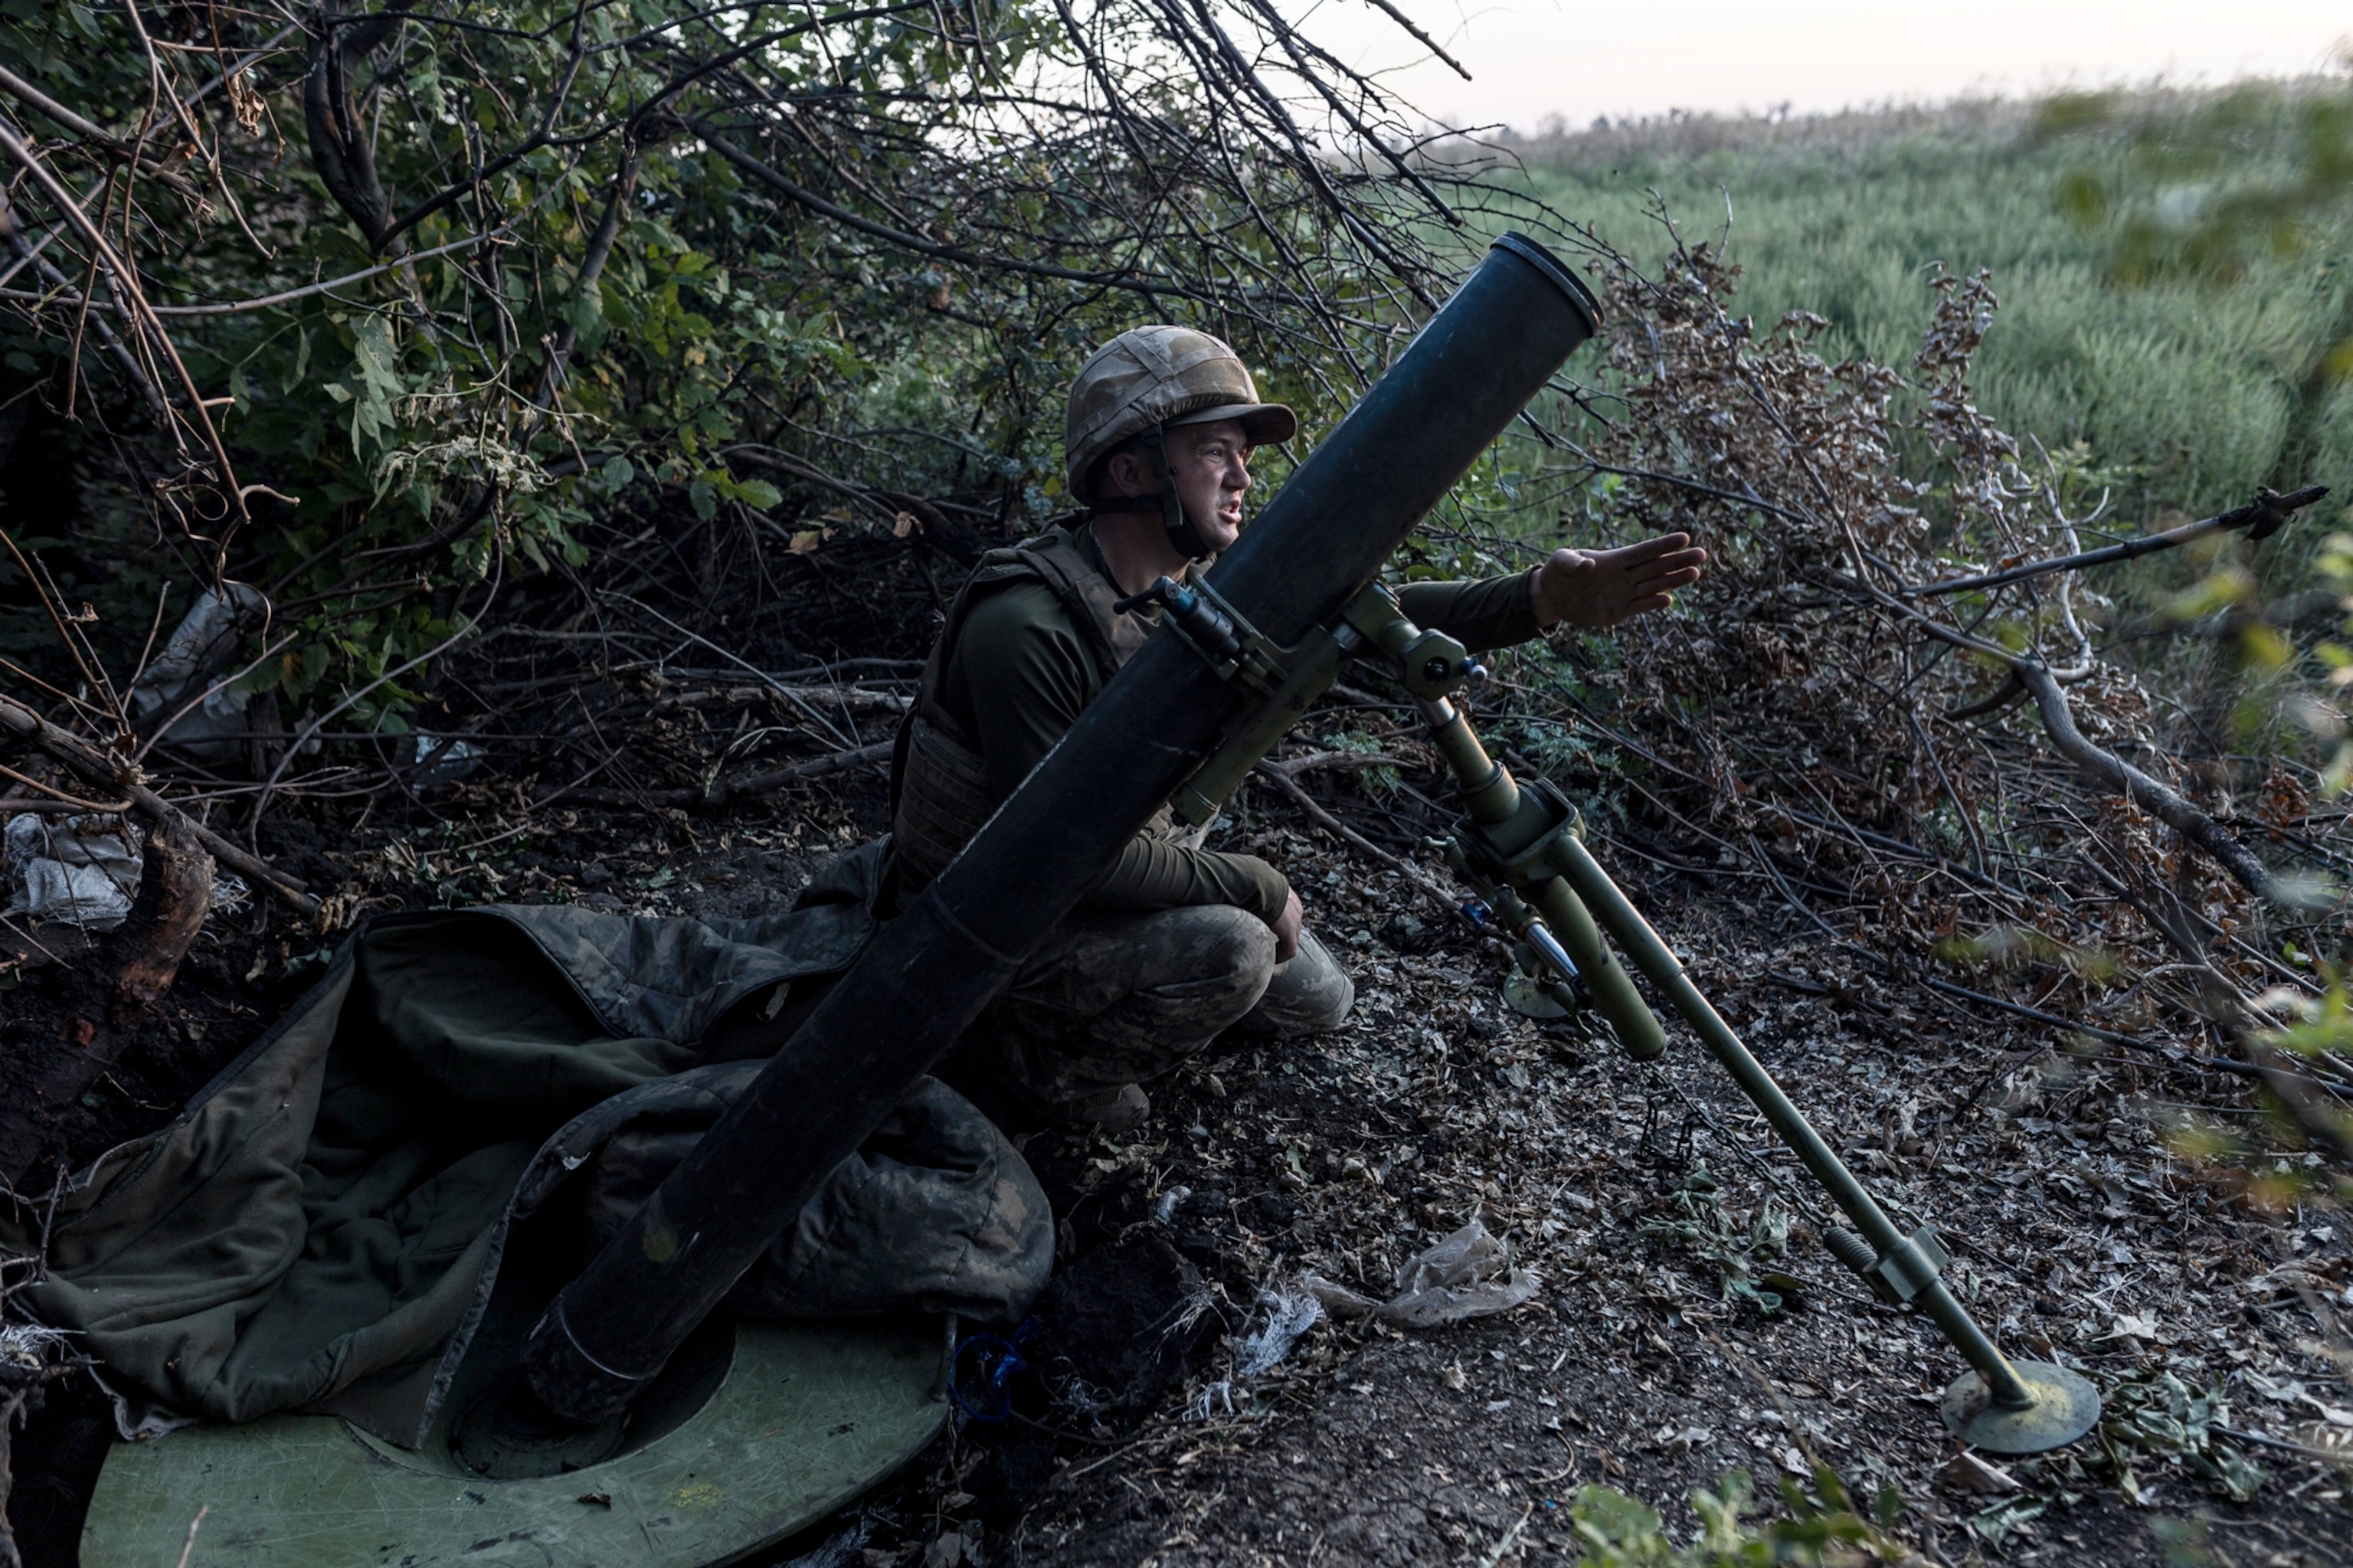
{"points": [[1898, 1275], [1429, 664], [1234, 650], [1286, 681]]}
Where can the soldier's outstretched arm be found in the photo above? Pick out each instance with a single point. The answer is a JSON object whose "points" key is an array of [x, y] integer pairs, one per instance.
{"points": [[1595, 590]]}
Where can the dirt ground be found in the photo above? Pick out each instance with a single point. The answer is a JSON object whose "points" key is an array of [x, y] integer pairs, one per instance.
{"points": [[1686, 1323], [1643, 1364]]}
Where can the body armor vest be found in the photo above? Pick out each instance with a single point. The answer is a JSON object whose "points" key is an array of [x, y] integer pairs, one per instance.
{"points": [[939, 790]]}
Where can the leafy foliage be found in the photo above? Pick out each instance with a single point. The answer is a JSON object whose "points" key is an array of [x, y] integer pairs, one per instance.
{"points": [[1740, 1255], [452, 283], [2195, 197], [1822, 1526], [2162, 1415]]}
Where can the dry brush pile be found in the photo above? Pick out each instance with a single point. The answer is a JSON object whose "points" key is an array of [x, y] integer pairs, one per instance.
{"points": [[1892, 695]]}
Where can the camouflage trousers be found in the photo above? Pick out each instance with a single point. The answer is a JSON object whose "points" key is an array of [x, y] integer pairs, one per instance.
{"points": [[1122, 999]]}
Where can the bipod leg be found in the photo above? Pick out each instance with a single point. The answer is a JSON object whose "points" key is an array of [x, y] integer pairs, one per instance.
{"points": [[1520, 847], [2004, 1407]]}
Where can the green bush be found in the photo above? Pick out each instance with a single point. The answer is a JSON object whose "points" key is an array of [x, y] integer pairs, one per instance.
{"points": [[1822, 1526], [763, 267]]}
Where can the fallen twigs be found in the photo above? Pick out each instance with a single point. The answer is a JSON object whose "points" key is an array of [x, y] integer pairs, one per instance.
{"points": [[32, 1355], [56, 798], [2067, 737], [2230, 1065], [2015, 1010], [131, 299], [50, 806], [26, 1367], [1282, 776], [2059, 723], [723, 790]]}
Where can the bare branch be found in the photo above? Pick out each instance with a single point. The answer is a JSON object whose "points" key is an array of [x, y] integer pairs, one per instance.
{"points": [[2261, 517]]}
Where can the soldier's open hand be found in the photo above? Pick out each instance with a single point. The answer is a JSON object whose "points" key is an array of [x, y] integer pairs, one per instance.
{"points": [[1597, 588]]}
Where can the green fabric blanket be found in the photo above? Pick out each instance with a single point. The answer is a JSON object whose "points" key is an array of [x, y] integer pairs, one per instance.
{"points": [[321, 1228]]}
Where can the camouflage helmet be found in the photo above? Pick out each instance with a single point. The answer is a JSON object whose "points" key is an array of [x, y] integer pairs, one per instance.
{"points": [[1161, 375]]}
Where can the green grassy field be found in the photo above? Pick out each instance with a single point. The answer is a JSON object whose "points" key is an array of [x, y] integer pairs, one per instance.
{"points": [[2177, 388]]}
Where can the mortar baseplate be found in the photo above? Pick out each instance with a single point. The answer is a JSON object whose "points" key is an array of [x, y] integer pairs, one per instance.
{"points": [[769, 1427]]}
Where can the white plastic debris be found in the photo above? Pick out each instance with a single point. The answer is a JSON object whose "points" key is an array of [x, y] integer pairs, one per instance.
{"points": [[1468, 1275], [1339, 1300], [439, 759], [198, 654], [81, 870], [1214, 1400], [30, 1348], [1291, 1310]]}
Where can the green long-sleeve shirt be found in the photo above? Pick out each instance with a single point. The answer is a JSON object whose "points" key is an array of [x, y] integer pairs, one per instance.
{"points": [[1021, 673]]}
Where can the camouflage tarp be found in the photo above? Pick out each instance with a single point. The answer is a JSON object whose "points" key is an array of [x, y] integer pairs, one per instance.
{"points": [[321, 1227]]}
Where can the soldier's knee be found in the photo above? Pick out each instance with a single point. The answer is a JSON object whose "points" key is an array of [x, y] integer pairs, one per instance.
{"points": [[1232, 945], [1312, 994], [1212, 965], [1327, 1005]]}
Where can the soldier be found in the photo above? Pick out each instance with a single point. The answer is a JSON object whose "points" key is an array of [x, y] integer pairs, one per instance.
{"points": [[1179, 941]]}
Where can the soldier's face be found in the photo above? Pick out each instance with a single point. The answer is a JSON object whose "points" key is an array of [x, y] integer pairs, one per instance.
{"points": [[1212, 467]]}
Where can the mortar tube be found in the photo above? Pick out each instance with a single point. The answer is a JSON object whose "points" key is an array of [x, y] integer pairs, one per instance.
{"points": [[927, 974], [1652, 955]]}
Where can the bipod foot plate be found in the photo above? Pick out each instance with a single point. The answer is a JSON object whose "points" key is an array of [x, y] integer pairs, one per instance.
{"points": [[2064, 1407]]}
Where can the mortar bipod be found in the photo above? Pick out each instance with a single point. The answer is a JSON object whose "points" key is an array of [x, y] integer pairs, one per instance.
{"points": [[1521, 849]]}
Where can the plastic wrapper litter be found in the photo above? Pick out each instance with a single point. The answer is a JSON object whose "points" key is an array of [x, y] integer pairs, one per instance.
{"points": [[177, 693], [1289, 1313], [81, 870], [1469, 1274]]}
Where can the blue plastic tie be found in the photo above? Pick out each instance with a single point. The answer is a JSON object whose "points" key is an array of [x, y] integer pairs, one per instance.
{"points": [[1000, 1360]]}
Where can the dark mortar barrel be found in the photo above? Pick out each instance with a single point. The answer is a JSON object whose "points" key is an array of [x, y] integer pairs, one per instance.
{"points": [[928, 973]]}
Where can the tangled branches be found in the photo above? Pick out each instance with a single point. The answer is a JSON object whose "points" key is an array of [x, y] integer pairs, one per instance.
{"points": [[528, 267]]}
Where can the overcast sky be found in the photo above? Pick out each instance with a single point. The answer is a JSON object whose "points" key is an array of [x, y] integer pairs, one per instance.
{"points": [[1530, 59]]}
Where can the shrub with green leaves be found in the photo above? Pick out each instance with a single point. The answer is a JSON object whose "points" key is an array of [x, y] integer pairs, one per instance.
{"points": [[379, 309], [1739, 1256], [1820, 1526]]}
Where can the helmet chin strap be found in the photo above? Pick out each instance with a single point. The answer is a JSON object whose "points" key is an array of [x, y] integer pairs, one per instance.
{"points": [[1183, 536]]}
